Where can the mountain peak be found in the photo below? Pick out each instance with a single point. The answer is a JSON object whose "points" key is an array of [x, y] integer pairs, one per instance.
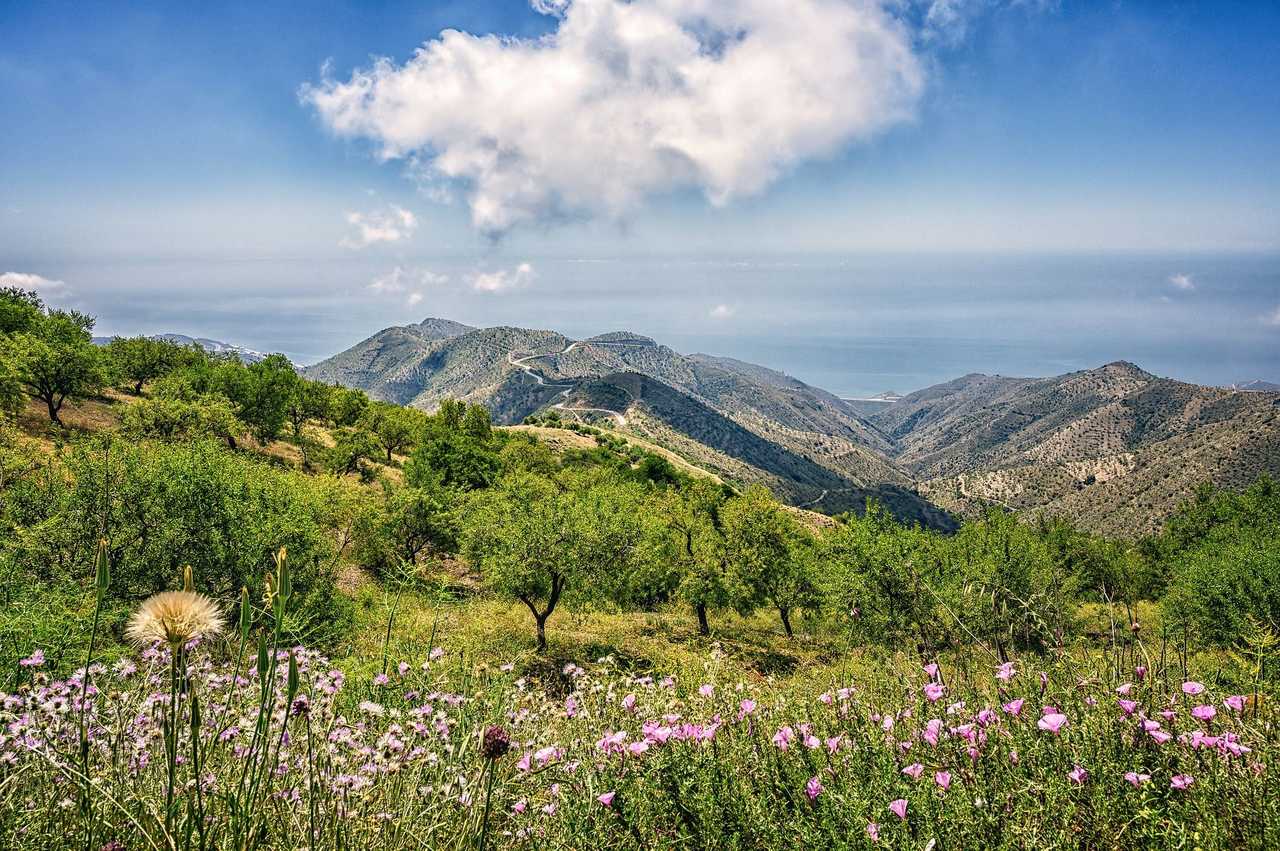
{"points": [[434, 328]]}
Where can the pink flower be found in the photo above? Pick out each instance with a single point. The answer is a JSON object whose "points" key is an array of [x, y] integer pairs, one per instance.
{"points": [[1136, 779], [783, 738], [35, 660], [746, 708], [1129, 706], [943, 779], [932, 670], [1235, 702], [524, 763], [1203, 712], [825, 698], [1160, 736], [813, 788], [520, 806], [1052, 723], [1140, 672], [934, 691], [1013, 757], [629, 702], [1078, 775], [873, 831], [607, 798], [1044, 681], [932, 730], [899, 808], [1014, 707], [436, 653], [1192, 688], [914, 770], [638, 747], [570, 706], [833, 743], [1124, 689], [1181, 781], [812, 742], [706, 690], [1006, 672]]}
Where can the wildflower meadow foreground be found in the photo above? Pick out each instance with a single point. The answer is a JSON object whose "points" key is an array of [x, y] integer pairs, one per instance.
{"points": [[221, 739]]}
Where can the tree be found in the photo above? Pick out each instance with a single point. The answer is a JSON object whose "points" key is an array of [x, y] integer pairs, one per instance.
{"points": [[696, 547], [261, 393], [477, 424], [11, 392], [142, 359], [178, 419], [308, 401], [351, 447], [452, 458], [770, 555], [57, 360], [392, 426], [20, 310], [346, 406], [538, 540], [413, 522]]}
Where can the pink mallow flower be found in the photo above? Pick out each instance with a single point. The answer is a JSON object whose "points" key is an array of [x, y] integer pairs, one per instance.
{"points": [[1181, 781], [783, 738], [1203, 712], [607, 798], [1078, 775], [706, 690], [942, 779], [1014, 707], [932, 670], [746, 708], [1005, 672], [813, 788], [914, 770], [1192, 688], [934, 691], [1052, 723], [1235, 702], [873, 831], [899, 808], [1136, 779], [1129, 706], [629, 703]]}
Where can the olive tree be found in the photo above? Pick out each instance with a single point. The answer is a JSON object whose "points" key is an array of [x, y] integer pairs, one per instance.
{"points": [[540, 540], [56, 359]]}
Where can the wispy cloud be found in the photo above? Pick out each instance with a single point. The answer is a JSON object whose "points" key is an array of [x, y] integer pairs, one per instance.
{"points": [[30, 281], [722, 311], [1272, 318], [389, 225], [503, 280], [1182, 281], [624, 100], [407, 283]]}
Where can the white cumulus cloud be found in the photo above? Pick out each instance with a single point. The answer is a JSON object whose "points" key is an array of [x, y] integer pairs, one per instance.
{"points": [[722, 311], [628, 99], [29, 281], [503, 280], [1182, 281], [409, 284], [390, 225]]}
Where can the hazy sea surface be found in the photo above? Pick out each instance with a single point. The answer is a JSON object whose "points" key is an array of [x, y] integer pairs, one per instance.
{"points": [[855, 325]]}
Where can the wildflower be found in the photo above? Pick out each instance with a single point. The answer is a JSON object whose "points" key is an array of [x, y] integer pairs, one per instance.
{"points": [[931, 731], [914, 770], [1203, 712], [942, 779], [381, 680], [496, 743], [1140, 672], [1052, 723], [1078, 775], [570, 706], [174, 617], [403, 669], [1235, 702], [1160, 736], [813, 788], [1006, 672], [833, 744], [436, 653], [520, 806], [899, 808], [873, 831], [933, 691], [1013, 757], [1136, 779], [1192, 688], [35, 660], [746, 708], [706, 690], [1014, 707], [301, 707], [783, 738], [825, 698], [629, 702], [607, 798], [932, 670], [1124, 689], [638, 747], [1129, 706], [525, 762], [1181, 781]]}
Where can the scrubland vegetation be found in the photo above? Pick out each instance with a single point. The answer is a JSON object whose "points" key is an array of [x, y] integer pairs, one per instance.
{"points": [[410, 630]]}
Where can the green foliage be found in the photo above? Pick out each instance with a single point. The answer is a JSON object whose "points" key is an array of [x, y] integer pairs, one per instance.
{"points": [[1224, 549], [771, 558], [140, 360], [392, 426], [410, 525], [261, 393], [20, 310], [538, 539], [178, 419], [55, 359]]}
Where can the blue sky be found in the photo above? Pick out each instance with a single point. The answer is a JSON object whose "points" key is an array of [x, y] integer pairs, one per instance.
{"points": [[154, 149]]}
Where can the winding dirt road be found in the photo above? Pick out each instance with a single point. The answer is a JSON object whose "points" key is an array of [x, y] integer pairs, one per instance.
{"points": [[522, 363]]}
